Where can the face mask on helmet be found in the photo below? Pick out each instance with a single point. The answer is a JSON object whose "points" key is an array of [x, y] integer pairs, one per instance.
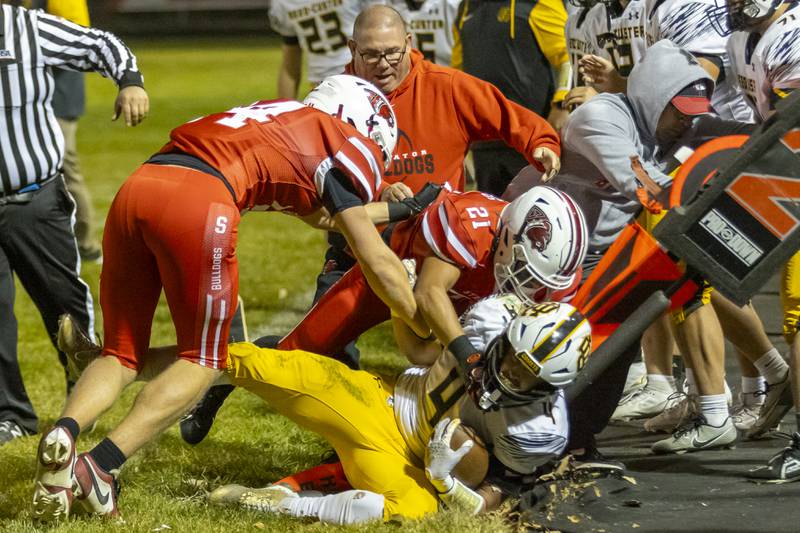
{"points": [[542, 243], [360, 104], [584, 4], [740, 15], [541, 350]]}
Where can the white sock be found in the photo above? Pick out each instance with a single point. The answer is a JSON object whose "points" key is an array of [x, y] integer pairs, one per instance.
{"points": [[348, 507], [749, 388], [772, 366], [690, 382], [661, 382], [714, 408]]}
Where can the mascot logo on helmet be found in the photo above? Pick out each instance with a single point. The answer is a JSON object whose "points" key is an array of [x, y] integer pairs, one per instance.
{"points": [[537, 228]]}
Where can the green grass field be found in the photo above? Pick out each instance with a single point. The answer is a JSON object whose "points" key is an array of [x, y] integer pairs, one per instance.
{"points": [[163, 485]]}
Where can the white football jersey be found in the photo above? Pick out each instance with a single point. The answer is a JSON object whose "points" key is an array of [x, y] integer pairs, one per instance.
{"points": [[423, 396], [763, 66], [322, 28], [620, 39], [524, 437], [431, 26], [578, 43], [686, 23]]}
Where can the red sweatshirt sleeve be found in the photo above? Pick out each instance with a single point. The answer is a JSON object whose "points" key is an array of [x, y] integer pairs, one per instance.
{"points": [[485, 114]]}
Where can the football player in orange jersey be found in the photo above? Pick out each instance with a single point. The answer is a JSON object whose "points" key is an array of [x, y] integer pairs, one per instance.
{"points": [[173, 224]]}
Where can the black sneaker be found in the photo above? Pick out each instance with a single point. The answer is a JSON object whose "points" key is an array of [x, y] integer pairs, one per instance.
{"points": [[593, 462], [196, 424], [784, 467], [10, 430]]}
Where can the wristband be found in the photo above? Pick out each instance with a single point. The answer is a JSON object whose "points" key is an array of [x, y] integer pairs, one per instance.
{"points": [[398, 211], [463, 350], [459, 496]]}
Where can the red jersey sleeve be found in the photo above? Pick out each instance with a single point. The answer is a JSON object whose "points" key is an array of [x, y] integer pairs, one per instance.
{"points": [[358, 159], [484, 114], [462, 227]]}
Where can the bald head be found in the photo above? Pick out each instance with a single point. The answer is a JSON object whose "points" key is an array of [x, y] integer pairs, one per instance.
{"points": [[378, 16], [381, 47]]}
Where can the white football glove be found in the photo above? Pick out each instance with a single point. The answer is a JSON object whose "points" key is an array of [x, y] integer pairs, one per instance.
{"points": [[440, 458]]}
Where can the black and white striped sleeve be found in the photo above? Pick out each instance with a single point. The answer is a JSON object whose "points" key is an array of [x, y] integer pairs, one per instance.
{"points": [[68, 45]]}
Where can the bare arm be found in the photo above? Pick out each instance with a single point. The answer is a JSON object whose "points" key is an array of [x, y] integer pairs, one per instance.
{"points": [[289, 74], [378, 212], [435, 279], [421, 352], [383, 270]]}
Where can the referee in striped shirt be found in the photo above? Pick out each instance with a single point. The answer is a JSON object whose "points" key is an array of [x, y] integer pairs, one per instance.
{"points": [[37, 242]]}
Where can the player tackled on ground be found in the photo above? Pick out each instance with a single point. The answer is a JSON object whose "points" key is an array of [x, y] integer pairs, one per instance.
{"points": [[173, 224], [394, 441]]}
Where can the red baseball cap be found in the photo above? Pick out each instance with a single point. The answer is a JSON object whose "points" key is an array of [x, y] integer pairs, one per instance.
{"points": [[693, 99]]}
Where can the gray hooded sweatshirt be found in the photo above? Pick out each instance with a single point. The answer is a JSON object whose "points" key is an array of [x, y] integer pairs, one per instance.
{"points": [[600, 137]]}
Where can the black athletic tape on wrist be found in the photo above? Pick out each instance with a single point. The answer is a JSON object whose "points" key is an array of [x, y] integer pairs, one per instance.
{"points": [[463, 350], [399, 211]]}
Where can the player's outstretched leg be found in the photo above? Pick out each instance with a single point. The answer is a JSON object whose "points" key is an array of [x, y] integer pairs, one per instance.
{"points": [[196, 424], [53, 490]]}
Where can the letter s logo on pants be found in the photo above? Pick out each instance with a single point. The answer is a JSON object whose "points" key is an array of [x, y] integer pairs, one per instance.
{"points": [[221, 225]]}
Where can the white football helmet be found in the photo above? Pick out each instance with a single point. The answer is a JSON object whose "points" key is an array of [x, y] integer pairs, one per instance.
{"points": [[550, 340], [360, 104], [543, 240]]}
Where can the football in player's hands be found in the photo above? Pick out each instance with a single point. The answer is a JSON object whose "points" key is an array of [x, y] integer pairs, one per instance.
{"points": [[454, 450]]}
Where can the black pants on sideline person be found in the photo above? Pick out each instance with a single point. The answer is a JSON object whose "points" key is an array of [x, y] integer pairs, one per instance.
{"points": [[37, 244]]}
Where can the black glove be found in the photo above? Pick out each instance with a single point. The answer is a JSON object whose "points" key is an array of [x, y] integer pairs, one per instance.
{"points": [[410, 207]]}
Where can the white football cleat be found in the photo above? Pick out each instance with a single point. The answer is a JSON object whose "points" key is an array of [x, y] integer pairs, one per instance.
{"points": [[683, 409], [265, 500], [97, 489], [698, 435], [745, 413], [636, 378], [646, 402], [53, 492]]}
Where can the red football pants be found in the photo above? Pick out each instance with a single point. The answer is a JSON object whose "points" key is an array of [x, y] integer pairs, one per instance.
{"points": [[347, 310], [176, 228]]}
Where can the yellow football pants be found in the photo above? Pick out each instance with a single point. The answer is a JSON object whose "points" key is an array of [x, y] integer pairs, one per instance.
{"points": [[790, 298], [351, 409]]}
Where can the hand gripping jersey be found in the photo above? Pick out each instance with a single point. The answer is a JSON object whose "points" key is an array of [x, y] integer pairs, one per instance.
{"points": [[276, 154], [767, 66], [321, 28], [460, 229], [578, 42], [618, 36], [687, 24], [430, 22]]}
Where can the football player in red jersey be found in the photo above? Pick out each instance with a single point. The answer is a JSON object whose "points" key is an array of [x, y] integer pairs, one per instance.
{"points": [[173, 224], [461, 248], [464, 246]]}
